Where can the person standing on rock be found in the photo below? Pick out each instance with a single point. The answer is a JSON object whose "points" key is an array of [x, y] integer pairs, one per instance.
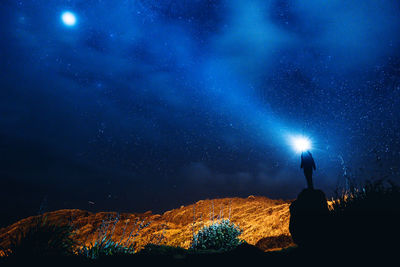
{"points": [[308, 165]]}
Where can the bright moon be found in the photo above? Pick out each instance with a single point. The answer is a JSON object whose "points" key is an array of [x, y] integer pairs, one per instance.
{"points": [[301, 143], [68, 18]]}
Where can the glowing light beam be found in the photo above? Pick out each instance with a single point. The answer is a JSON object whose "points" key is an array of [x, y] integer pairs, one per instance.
{"points": [[300, 143], [68, 18]]}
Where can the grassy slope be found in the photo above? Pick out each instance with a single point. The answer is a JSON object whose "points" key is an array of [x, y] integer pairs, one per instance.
{"points": [[259, 217]]}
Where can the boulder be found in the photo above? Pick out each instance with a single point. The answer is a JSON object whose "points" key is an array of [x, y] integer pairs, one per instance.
{"points": [[274, 242], [308, 223]]}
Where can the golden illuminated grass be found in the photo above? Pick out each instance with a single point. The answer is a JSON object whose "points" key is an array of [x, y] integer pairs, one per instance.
{"points": [[259, 217]]}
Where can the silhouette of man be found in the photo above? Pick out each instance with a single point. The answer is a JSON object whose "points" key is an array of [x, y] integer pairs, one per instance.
{"points": [[308, 164]]}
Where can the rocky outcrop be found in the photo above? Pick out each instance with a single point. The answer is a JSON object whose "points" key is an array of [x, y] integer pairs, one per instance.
{"points": [[309, 218]]}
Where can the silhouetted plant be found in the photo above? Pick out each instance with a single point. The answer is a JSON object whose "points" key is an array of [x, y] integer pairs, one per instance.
{"points": [[41, 239], [218, 236], [371, 197], [366, 217]]}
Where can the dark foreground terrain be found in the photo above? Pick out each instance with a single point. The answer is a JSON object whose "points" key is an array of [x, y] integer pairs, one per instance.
{"points": [[241, 256], [361, 227]]}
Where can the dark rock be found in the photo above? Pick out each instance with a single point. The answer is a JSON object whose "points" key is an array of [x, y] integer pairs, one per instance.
{"points": [[275, 242], [308, 223]]}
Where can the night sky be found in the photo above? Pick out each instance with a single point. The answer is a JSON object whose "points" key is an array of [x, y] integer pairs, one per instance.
{"points": [[148, 105]]}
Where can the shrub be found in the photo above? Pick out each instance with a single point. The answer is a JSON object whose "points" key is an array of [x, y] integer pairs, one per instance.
{"points": [[218, 236], [366, 217], [105, 247], [370, 198], [42, 239]]}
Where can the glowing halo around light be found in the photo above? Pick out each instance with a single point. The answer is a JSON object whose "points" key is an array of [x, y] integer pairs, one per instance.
{"points": [[68, 18], [300, 143]]}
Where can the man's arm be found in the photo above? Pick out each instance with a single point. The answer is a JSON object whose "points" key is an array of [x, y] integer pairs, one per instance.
{"points": [[313, 164]]}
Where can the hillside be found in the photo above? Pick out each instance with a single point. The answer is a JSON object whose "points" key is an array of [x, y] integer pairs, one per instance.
{"points": [[265, 223]]}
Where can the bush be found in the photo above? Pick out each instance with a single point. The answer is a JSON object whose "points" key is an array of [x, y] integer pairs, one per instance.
{"points": [[105, 247], [366, 217], [42, 239], [378, 197], [218, 236]]}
